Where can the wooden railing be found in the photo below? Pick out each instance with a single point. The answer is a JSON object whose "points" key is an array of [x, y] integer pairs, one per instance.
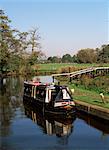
{"points": [[83, 71]]}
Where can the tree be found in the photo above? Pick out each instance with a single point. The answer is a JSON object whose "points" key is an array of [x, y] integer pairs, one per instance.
{"points": [[87, 56], [66, 58], [74, 59], [34, 38], [22, 38], [5, 41], [54, 59], [33, 45], [10, 45], [103, 54], [15, 63], [33, 57], [49, 59]]}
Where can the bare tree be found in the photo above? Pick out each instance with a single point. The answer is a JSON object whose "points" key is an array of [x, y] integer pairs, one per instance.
{"points": [[34, 39]]}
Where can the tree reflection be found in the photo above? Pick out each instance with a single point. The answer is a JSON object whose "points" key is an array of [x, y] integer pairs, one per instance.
{"points": [[9, 88]]}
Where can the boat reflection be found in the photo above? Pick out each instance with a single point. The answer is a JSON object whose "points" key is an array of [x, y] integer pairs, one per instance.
{"points": [[49, 124]]}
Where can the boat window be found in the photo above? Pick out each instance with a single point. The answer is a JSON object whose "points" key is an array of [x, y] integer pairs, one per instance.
{"points": [[40, 93], [62, 95], [59, 96], [27, 90], [65, 94], [51, 95]]}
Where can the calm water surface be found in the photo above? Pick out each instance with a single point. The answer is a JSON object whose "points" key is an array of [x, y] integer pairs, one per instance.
{"points": [[23, 128]]}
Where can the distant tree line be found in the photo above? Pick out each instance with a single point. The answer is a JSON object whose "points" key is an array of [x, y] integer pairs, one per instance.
{"points": [[98, 55]]}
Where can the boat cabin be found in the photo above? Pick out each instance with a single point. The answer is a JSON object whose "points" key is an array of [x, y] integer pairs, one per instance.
{"points": [[49, 95]]}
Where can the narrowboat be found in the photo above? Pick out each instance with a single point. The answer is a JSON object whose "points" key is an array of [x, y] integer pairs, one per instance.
{"points": [[49, 98]]}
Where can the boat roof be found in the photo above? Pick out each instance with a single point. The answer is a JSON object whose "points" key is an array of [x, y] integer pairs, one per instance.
{"points": [[48, 85], [35, 83]]}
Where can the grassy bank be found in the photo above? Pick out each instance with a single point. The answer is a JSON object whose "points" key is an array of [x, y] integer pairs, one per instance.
{"points": [[88, 96]]}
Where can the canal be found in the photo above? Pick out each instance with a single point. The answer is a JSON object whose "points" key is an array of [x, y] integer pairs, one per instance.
{"points": [[23, 128]]}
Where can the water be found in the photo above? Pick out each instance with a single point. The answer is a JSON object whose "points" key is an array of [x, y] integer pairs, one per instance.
{"points": [[23, 128]]}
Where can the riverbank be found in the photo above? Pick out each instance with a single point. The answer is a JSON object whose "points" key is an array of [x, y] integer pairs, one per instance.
{"points": [[89, 96], [90, 102], [91, 109]]}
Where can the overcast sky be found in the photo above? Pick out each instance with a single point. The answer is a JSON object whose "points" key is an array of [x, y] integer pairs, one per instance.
{"points": [[65, 26]]}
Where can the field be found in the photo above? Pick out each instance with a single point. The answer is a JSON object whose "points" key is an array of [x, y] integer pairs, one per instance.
{"points": [[58, 66]]}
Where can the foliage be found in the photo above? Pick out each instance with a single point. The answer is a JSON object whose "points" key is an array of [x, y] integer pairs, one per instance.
{"points": [[103, 54], [11, 45], [99, 84], [66, 58], [87, 56], [75, 59], [54, 59], [33, 57], [7, 41], [14, 67], [98, 55], [26, 69]]}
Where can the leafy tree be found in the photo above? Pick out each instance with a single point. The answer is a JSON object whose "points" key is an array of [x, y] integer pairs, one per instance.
{"points": [[9, 44], [103, 54], [22, 38], [74, 59], [49, 59], [54, 59], [87, 56], [33, 57], [5, 34], [66, 58], [15, 63]]}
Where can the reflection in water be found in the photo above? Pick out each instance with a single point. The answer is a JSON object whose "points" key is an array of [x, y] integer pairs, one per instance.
{"points": [[100, 124], [9, 88], [50, 124]]}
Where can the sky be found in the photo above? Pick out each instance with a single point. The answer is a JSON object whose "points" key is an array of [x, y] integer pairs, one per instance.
{"points": [[65, 26]]}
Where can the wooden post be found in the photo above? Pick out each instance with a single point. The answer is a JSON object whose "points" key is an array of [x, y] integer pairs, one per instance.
{"points": [[69, 69], [70, 79], [53, 78]]}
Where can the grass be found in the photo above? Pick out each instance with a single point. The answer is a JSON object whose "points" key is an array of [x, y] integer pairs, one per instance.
{"points": [[57, 66], [91, 97]]}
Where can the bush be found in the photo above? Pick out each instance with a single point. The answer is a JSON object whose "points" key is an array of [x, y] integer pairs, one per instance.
{"points": [[99, 84]]}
